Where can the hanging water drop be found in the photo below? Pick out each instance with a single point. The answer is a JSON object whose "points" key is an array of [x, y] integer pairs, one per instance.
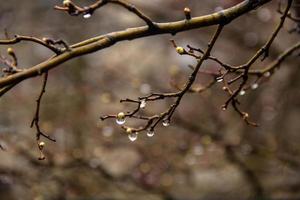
{"points": [[242, 92], [87, 15], [166, 122], [120, 118], [132, 136], [143, 103], [219, 79], [254, 86], [150, 133]]}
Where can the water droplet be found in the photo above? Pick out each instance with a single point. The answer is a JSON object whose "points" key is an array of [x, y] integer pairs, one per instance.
{"points": [[132, 136], [242, 92], [267, 74], [254, 86], [219, 79], [120, 121], [143, 103], [87, 15], [224, 108], [120, 118], [150, 133], [166, 122]]}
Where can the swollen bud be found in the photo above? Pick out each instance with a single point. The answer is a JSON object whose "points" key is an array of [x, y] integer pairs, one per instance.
{"points": [[128, 130], [180, 50], [41, 145], [66, 3], [10, 51], [187, 13]]}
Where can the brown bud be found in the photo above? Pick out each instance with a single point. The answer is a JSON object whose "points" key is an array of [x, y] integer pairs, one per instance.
{"points": [[10, 51], [41, 145], [187, 13], [180, 50], [67, 3]]}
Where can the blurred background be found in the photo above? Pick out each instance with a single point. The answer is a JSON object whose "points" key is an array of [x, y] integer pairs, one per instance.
{"points": [[205, 153]]}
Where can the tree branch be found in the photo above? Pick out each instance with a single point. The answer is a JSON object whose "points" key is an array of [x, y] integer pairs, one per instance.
{"points": [[104, 41]]}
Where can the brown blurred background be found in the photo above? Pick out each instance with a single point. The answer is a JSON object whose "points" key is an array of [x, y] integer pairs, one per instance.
{"points": [[205, 154]]}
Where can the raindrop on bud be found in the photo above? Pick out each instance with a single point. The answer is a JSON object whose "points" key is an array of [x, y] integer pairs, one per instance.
{"points": [[131, 135], [166, 122], [254, 86], [219, 79], [242, 92], [87, 15], [150, 133], [143, 103], [120, 118]]}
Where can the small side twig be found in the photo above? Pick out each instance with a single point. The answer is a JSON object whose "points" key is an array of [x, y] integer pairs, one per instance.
{"points": [[36, 119]]}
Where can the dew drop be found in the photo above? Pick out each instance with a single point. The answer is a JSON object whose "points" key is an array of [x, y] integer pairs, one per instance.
{"points": [[132, 136], [150, 133], [219, 79], [87, 15], [120, 121], [143, 104], [242, 92], [166, 122], [120, 118], [254, 86]]}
